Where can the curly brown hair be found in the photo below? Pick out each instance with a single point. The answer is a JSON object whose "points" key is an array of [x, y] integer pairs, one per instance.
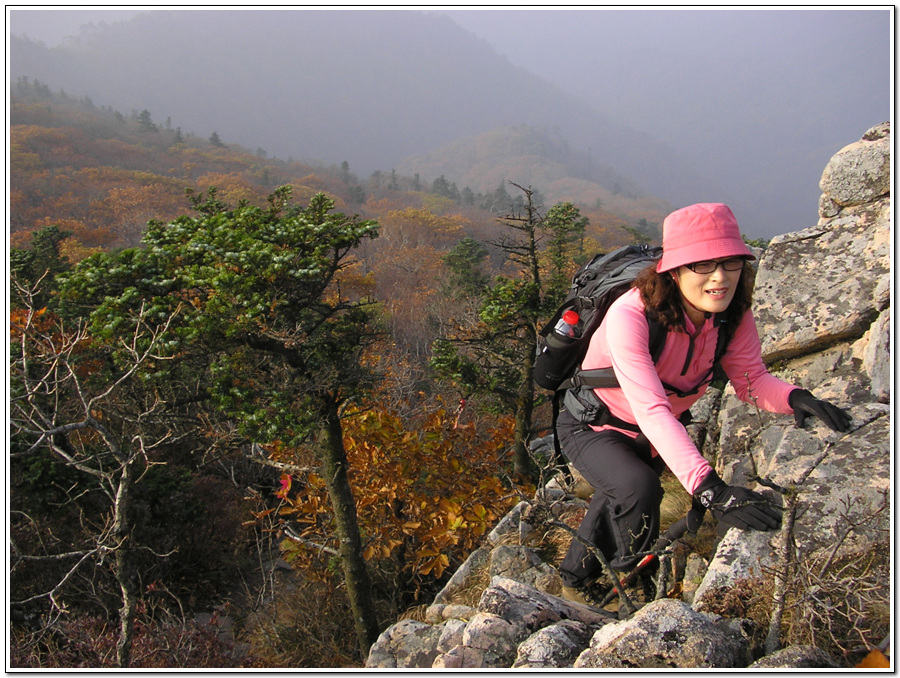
{"points": [[662, 298]]}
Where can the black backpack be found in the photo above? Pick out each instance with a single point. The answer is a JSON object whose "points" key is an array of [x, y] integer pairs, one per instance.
{"points": [[595, 286]]}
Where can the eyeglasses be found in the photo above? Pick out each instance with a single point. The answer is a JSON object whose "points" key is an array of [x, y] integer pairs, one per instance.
{"points": [[704, 267]]}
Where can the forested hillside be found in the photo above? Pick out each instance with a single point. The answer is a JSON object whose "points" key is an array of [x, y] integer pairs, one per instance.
{"points": [[100, 175], [225, 364], [533, 155], [329, 86]]}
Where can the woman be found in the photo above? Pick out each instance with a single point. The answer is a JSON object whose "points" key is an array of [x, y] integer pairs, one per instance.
{"points": [[702, 279]]}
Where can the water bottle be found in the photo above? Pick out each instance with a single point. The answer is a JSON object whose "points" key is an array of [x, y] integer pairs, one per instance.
{"points": [[566, 325]]}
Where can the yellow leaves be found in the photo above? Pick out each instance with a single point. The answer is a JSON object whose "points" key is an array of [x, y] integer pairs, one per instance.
{"points": [[381, 549], [291, 551], [451, 508], [433, 563], [375, 549], [479, 511], [22, 320], [232, 187], [433, 490], [479, 518]]}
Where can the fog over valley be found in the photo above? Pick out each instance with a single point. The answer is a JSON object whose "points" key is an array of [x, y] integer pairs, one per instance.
{"points": [[738, 106]]}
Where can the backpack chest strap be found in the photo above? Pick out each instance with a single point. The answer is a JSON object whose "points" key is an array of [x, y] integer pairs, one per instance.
{"points": [[605, 377]]}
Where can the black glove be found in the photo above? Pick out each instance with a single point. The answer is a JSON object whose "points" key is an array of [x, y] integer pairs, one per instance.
{"points": [[805, 404], [694, 517], [735, 506]]}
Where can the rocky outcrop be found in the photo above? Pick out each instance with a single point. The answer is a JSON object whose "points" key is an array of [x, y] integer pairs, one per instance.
{"points": [[823, 309], [839, 272], [668, 634], [817, 287]]}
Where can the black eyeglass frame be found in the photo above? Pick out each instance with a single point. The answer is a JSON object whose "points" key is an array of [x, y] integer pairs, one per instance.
{"points": [[709, 266]]}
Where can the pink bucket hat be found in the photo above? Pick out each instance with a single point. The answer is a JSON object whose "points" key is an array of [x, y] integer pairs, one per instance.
{"points": [[699, 232]]}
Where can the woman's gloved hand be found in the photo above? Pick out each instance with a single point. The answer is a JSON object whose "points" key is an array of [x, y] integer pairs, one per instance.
{"points": [[805, 404], [695, 516], [733, 505]]}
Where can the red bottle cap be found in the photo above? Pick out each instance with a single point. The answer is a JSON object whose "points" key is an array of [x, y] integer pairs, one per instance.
{"points": [[570, 317]]}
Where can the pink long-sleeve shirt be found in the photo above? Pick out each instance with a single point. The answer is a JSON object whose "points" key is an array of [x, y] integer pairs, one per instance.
{"points": [[622, 341]]}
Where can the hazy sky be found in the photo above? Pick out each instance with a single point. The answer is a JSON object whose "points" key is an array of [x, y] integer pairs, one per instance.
{"points": [[52, 25], [759, 97], [547, 40]]}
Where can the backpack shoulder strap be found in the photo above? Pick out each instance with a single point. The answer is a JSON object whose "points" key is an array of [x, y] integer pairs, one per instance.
{"points": [[657, 339], [604, 377], [726, 330]]}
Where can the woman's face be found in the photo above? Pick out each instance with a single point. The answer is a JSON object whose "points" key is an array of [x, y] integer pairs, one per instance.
{"points": [[708, 286]]}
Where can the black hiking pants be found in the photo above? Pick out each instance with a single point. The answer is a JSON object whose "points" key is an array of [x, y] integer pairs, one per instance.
{"points": [[623, 516]]}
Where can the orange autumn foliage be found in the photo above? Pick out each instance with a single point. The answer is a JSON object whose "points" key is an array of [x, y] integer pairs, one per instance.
{"points": [[425, 498], [874, 660]]}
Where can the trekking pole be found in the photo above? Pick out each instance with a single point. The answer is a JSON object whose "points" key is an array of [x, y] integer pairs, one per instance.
{"points": [[676, 531]]}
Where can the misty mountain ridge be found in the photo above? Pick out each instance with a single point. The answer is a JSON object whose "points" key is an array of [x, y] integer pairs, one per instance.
{"points": [[381, 90], [530, 156]]}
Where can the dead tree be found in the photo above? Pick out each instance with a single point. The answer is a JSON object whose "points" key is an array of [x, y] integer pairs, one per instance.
{"points": [[60, 403]]}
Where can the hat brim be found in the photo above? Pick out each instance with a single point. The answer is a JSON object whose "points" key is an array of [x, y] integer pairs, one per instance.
{"points": [[710, 249]]}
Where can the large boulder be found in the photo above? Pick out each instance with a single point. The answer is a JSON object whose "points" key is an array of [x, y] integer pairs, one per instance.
{"points": [[555, 646], [667, 634], [858, 173], [817, 287], [406, 644]]}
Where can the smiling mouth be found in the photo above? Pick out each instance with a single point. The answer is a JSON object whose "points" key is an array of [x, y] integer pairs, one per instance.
{"points": [[717, 293]]}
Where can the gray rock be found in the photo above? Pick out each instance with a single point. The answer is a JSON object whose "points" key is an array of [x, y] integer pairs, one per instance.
{"points": [[742, 554], [461, 579], [877, 358], [796, 657], [795, 317], [694, 572], [860, 172], [509, 524], [846, 488], [533, 609], [495, 638], [451, 635], [462, 612], [460, 657], [555, 646], [704, 413], [407, 644], [666, 634], [524, 565], [883, 292], [839, 478]]}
